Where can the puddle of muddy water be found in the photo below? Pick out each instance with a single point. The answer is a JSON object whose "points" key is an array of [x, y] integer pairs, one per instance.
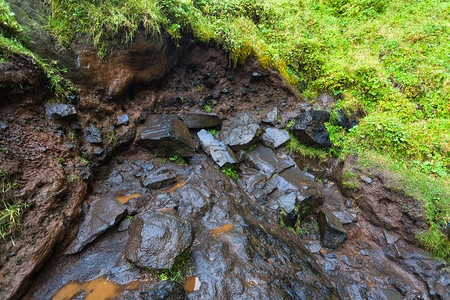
{"points": [[223, 229], [192, 284], [97, 289], [124, 199], [175, 187]]}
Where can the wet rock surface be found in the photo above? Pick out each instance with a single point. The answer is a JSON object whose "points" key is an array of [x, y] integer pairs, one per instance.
{"points": [[274, 138], [60, 111], [240, 250], [219, 152], [103, 213], [201, 120], [242, 137], [309, 128], [156, 239], [331, 230], [166, 290], [167, 136]]}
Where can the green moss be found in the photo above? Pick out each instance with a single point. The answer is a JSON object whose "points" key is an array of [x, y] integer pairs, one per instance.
{"points": [[231, 171], [294, 146]]}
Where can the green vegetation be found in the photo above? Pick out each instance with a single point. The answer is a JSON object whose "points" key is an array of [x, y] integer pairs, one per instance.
{"points": [[11, 46], [294, 146], [178, 160], [208, 108], [182, 268], [11, 210], [231, 171], [214, 132]]}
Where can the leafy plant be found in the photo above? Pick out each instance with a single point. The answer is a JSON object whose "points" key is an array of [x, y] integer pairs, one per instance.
{"points": [[182, 268], [230, 171], [208, 108], [178, 160]]}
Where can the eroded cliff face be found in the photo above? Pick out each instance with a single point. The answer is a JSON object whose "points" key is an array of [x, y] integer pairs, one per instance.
{"points": [[85, 174]]}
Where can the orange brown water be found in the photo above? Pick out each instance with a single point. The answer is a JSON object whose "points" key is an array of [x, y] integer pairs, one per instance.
{"points": [[124, 199], [223, 229], [192, 284], [97, 289], [177, 186]]}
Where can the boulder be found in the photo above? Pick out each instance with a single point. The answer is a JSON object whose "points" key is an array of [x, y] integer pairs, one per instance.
{"points": [[243, 137], [274, 138], [332, 232], [60, 111], [156, 239], [309, 128], [219, 152], [202, 120], [167, 136], [103, 213]]}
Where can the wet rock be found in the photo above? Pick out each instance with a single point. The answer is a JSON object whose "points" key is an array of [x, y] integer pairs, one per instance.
{"points": [[156, 239], [243, 137], [159, 179], [272, 116], [123, 226], [287, 202], [124, 137], [274, 138], [313, 246], [122, 120], [391, 237], [248, 118], [165, 290], [93, 135], [331, 230], [202, 120], [60, 111], [344, 216], [309, 128], [3, 126], [265, 160], [219, 152], [103, 213], [166, 136], [216, 94]]}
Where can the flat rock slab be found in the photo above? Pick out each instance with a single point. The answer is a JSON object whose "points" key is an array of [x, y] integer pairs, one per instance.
{"points": [[332, 232], [159, 179], [60, 111], [104, 213], [309, 128], [265, 160], [218, 151], [274, 138], [156, 239], [202, 120], [272, 116], [166, 136], [243, 137]]}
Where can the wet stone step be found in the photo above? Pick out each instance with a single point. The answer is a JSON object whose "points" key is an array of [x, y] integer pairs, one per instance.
{"points": [[309, 128], [166, 136], [159, 179], [275, 138]]}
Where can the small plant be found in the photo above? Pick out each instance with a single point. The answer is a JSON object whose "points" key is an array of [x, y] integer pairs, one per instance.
{"points": [[84, 160], [214, 132], [74, 177], [230, 171], [60, 160], [182, 268], [71, 134], [4, 150], [208, 108], [112, 138], [178, 160], [349, 181]]}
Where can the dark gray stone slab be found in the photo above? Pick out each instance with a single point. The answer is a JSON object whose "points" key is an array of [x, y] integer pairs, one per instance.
{"points": [[265, 160], [103, 213], [60, 111], [243, 137], [166, 136], [93, 135], [309, 128], [202, 120], [332, 232]]}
